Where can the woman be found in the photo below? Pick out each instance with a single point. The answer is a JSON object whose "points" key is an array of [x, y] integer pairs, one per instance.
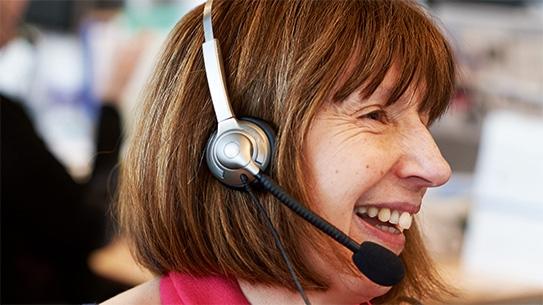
{"points": [[351, 88]]}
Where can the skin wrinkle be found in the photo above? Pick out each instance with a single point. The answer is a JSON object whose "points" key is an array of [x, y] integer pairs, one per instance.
{"points": [[347, 113], [349, 135], [349, 128], [353, 133]]}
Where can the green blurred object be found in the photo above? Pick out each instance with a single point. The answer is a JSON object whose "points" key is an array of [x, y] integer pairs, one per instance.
{"points": [[160, 16]]}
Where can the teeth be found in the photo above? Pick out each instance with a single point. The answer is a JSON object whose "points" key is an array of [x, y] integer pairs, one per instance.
{"points": [[373, 211], [405, 221], [402, 220], [394, 217], [388, 229], [393, 230], [384, 215], [361, 210]]}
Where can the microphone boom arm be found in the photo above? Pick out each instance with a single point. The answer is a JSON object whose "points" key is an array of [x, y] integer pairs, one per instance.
{"points": [[319, 222]]}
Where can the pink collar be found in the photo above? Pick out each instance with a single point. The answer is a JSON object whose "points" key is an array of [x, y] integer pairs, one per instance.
{"points": [[183, 289]]}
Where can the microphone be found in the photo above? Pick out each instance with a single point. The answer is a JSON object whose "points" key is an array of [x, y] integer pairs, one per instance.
{"points": [[377, 263]]}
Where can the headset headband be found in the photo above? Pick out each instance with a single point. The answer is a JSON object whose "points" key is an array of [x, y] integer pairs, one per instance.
{"points": [[215, 75]]}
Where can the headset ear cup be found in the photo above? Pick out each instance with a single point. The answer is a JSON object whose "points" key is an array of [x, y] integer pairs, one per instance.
{"points": [[268, 130], [251, 132]]}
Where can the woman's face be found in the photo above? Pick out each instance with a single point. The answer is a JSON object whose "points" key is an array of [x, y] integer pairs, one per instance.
{"points": [[370, 165]]}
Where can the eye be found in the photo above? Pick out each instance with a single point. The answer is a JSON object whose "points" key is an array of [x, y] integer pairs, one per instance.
{"points": [[377, 115]]}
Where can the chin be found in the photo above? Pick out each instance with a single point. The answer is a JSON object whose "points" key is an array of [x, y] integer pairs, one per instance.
{"points": [[347, 287], [358, 289], [374, 289]]}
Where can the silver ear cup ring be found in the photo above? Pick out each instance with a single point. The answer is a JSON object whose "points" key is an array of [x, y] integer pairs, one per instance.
{"points": [[238, 151]]}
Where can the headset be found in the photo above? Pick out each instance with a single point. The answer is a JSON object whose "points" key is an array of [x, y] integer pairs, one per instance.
{"points": [[241, 149], [238, 146]]}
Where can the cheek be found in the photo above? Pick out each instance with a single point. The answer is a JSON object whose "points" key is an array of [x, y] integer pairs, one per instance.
{"points": [[341, 173], [344, 168], [343, 163]]}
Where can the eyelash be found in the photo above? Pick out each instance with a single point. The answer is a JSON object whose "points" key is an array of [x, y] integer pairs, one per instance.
{"points": [[377, 115]]}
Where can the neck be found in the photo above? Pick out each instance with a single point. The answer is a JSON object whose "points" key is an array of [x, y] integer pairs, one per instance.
{"points": [[267, 295]]}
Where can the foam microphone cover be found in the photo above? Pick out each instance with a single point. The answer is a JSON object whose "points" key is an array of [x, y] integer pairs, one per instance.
{"points": [[379, 264]]}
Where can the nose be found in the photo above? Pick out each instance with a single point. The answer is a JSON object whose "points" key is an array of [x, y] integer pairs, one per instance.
{"points": [[422, 162]]}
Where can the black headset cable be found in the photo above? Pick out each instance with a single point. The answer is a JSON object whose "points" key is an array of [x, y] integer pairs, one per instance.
{"points": [[264, 215]]}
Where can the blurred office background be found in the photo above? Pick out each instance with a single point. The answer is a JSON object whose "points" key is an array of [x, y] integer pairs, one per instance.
{"points": [[484, 227]]}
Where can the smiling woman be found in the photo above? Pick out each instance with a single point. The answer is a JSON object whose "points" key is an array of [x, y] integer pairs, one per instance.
{"points": [[370, 165], [351, 88]]}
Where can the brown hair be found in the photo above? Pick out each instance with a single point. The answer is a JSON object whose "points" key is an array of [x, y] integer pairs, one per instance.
{"points": [[283, 59]]}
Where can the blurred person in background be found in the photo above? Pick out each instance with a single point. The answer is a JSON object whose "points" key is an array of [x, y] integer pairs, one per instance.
{"points": [[49, 222], [10, 15]]}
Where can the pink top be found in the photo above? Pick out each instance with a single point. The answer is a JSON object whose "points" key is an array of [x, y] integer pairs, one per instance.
{"points": [[183, 289]]}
